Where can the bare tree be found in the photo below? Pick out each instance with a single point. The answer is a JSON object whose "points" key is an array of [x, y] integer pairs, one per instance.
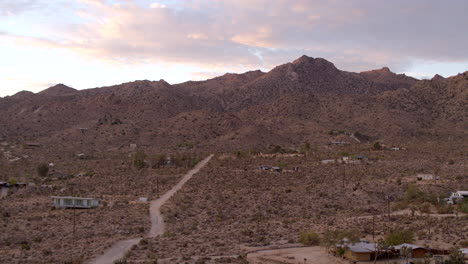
{"points": [[380, 249]]}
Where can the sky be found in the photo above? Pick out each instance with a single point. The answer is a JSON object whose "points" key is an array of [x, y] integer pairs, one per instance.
{"points": [[94, 43]]}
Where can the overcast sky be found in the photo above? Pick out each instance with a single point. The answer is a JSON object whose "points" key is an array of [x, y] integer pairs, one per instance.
{"points": [[91, 43]]}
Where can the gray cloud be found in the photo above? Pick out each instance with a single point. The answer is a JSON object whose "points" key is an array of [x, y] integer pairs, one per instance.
{"points": [[236, 34]]}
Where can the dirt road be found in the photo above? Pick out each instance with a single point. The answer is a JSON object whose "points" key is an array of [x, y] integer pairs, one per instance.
{"points": [[118, 250], [157, 223]]}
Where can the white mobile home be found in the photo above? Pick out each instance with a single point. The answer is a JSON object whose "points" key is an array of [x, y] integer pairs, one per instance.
{"points": [[74, 202]]}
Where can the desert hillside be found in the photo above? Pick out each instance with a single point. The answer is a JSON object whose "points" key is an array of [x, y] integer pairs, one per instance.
{"points": [[293, 103]]}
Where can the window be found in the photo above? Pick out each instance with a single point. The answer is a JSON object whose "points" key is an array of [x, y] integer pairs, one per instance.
{"points": [[78, 202], [68, 202]]}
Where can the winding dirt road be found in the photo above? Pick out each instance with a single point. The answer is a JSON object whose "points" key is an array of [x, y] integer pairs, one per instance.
{"points": [[118, 250]]}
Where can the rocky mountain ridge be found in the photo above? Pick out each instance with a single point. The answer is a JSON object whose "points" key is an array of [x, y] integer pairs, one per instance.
{"points": [[293, 103]]}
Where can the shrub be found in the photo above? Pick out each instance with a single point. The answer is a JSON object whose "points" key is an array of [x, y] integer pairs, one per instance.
{"points": [[241, 153], [277, 149], [425, 208], [12, 181], [445, 209], [340, 251], [377, 146], [139, 160], [397, 237], [161, 160], [42, 169], [305, 147], [194, 162], [455, 257], [25, 245], [309, 238], [464, 207], [187, 145]]}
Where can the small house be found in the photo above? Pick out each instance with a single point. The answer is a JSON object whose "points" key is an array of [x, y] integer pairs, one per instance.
{"points": [[3, 184], [82, 174], [74, 202], [362, 157], [361, 251], [81, 156], [264, 167], [32, 145], [277, 169], [328, 161], [416, 251], [338, 143], [426, 177], [464, 251], [19, 184]]}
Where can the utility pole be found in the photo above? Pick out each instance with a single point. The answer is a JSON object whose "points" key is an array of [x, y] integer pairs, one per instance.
{"points": [[373, 228], [344, 174], [388, 206], [74, 230], [74, 222], [157, 186]]}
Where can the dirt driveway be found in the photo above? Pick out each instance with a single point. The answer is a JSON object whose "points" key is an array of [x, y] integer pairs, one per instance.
{"points": [[118, 250]]}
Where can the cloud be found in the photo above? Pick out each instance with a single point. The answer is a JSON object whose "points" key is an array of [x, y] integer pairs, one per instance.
{"points": [[14, 7], [97, 3], [157, 5], [248, 34]]}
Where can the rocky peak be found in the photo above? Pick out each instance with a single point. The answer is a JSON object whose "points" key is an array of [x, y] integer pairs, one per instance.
{"points": [[58, 90], [437, 77]]}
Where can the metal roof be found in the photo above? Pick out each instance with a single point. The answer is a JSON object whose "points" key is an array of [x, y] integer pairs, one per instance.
{"points": [[362, 247], [408, 246], [69, 197]]}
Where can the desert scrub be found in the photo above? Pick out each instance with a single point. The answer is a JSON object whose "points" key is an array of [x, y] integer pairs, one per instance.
{"points": [[397, 237], [464, 207], [309, 238]]}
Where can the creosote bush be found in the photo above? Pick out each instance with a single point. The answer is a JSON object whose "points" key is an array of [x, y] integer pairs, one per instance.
{"points": [[397, 237], [42, 169], [309, 238], [139, 160]]}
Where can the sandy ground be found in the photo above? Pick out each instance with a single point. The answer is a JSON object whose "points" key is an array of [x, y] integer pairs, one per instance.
{"points": [[304, 255], [3, 192], [118, 250]]}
